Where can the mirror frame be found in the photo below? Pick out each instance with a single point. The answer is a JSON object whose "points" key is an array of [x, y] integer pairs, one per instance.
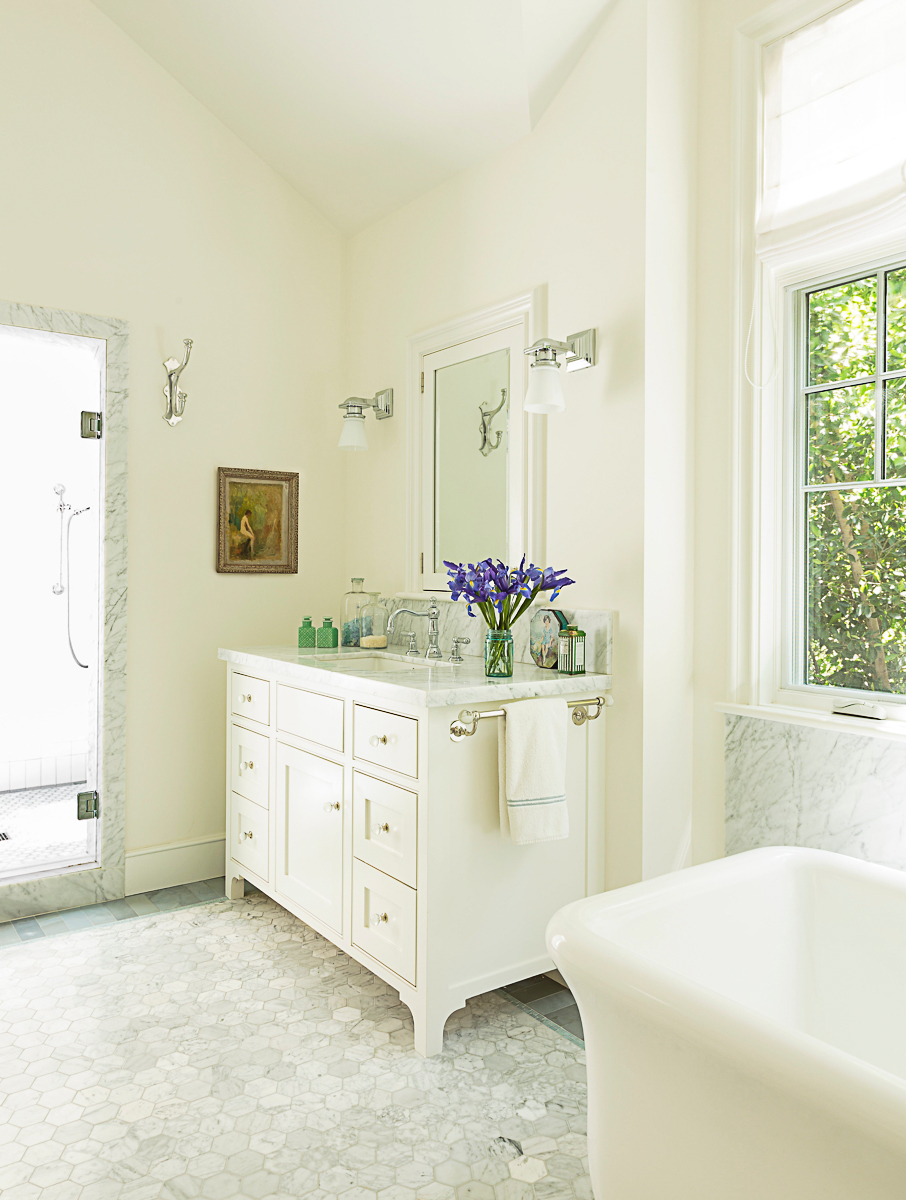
{"points": [[527, 470]]}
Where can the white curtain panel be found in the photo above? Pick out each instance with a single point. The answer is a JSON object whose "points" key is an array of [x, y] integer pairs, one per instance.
{"points": [[834, 122]]}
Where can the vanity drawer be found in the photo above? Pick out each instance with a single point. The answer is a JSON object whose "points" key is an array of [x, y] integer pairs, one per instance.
{"points": [[383, 919], [249, 839], [250, 697], [249, 764], [384, 827], [386, 739], [311, 716]]}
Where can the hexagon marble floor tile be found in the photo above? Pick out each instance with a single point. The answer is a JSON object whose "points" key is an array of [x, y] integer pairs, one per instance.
{"points": [[230, 1051]]}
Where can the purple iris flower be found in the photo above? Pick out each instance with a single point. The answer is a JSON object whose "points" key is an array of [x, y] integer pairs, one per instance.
{"points": [[503, 593]]}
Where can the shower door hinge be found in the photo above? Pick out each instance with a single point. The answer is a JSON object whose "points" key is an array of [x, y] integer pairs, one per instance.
{"points": [[92, 425], [423, 381], [88, 806]]}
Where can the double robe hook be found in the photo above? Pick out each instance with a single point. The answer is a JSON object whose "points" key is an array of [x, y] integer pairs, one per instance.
{"points": [[176, 400]]}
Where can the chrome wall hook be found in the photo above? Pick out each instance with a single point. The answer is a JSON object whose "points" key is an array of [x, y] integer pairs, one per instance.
{"points": [[176, 400], [487, 416]]}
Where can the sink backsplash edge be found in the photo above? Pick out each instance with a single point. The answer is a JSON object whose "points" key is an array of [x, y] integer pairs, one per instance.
{"points": [[456, 622]]}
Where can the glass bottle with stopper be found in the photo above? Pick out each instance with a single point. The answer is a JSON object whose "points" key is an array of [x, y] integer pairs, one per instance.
{"points": [[373, 618], [352, 603]]}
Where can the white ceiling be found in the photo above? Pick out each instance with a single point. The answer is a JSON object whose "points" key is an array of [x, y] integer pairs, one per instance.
{"points": [[364, 104]]}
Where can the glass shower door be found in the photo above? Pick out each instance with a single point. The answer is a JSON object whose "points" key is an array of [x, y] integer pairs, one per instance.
{"points": [[51, 609]]}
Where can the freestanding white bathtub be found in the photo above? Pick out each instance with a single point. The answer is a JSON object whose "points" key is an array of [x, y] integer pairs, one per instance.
{"points": [[745, 1025]]}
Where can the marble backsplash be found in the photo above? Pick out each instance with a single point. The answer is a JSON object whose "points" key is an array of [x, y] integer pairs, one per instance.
{"points": [[794, 785], [456, 622]]}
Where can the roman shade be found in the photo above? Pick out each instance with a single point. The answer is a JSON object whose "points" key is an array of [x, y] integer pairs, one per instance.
{"points": [[834, 123]]}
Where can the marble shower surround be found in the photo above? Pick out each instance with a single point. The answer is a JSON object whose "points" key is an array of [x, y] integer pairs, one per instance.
{"points": [[793, 785], [456, 622], [107, 882]]}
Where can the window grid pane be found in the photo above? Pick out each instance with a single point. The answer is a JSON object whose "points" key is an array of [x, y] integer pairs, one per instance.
{"points": [[854, 602]]}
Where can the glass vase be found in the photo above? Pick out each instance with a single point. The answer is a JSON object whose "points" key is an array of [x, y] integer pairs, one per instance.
{"points": [[498, 654]]}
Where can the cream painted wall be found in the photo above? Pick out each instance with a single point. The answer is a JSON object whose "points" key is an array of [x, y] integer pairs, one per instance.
{"points": [[569, 207], [123, 196]]}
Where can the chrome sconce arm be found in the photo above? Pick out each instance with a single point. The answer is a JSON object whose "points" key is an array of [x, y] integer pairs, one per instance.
{"points": [[353, 436]]}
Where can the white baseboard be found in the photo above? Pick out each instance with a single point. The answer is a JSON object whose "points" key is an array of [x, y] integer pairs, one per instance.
{"points": [[155, 867]]}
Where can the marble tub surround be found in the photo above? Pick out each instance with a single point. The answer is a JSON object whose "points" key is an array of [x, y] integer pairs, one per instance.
{"points": [[107, 882], [229, 1050], [435, 686], [794, 785], [455, 621]]}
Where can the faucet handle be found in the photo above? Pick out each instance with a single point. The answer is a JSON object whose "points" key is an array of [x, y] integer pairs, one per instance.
{"points": [[455, 656], [413, 643]]}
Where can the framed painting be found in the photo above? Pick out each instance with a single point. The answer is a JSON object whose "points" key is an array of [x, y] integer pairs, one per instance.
{"points": [[258, 522]]}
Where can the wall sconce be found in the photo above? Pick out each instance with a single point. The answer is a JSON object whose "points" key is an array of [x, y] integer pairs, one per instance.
{"points": [[544, 393], [353, 435]]}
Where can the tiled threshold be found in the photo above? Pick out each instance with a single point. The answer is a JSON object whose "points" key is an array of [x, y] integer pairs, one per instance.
{"points": [[27, 929], [541, 996]]}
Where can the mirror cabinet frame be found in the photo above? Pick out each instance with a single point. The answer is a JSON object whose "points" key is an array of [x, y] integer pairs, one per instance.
{"points": [[526, 467]]}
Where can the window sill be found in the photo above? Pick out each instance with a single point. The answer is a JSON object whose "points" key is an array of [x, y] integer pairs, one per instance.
{"points": [[891, 731]]}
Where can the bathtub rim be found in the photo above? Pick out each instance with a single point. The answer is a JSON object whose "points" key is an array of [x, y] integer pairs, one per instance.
{"points": [[817, 1073]]}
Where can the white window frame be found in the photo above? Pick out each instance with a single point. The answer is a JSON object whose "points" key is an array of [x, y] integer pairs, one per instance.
{"points": [[765, 535]]}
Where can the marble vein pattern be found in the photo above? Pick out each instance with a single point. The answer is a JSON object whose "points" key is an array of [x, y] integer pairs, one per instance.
{"points": [[230, 1051], [423, 686], [108, 881], [454, 621], [793, 785]]}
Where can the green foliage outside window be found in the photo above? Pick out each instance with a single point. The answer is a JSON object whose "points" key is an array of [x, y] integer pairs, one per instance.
{"points": [[856, 537]]}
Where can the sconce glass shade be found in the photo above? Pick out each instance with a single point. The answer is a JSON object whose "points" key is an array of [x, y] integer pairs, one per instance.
{"points": [[544, 393], [353, 436]]}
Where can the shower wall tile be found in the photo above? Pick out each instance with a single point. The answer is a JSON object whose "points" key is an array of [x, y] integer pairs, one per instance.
{"points": [[108, 881], [793, 785]]}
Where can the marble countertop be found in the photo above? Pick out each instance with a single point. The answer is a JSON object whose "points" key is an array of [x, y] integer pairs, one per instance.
{"points": [[393, 677]]}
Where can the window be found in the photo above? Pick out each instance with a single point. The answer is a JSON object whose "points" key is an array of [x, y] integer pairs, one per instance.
{"points": [[849, 464]]}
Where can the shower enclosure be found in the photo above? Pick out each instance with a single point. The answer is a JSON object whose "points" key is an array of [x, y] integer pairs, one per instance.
{"points": [[51, 601]]}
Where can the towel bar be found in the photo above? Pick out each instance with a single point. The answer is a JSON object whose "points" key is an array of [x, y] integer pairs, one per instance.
{"points": [[459, 729]]}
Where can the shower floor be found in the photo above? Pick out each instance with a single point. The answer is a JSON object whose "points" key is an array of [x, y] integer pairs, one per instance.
{"points": [[42, 830]]}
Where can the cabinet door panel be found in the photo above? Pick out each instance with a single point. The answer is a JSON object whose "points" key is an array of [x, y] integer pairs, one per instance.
{"points": [[310, 833]]}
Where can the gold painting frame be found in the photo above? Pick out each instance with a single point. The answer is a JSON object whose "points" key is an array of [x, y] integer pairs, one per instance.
{"points": [[257, 522]]}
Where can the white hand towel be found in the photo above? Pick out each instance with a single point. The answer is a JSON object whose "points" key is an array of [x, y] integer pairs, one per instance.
{"points": [[532, 764]]}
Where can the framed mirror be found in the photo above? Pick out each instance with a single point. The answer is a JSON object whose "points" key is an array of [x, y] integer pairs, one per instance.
{"points": [[475, 457]]}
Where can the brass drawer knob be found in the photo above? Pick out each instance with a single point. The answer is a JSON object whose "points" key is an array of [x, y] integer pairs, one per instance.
{"points": [[247, 835]]}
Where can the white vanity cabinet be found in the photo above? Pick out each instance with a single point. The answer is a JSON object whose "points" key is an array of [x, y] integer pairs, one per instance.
{"points": [[349, 804]]}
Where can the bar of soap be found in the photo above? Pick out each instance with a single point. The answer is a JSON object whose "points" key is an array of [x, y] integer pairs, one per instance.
{"points": [[374, 641]]}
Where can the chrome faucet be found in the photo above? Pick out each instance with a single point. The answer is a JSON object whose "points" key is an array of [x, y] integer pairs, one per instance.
{"points": [[432, 614]]}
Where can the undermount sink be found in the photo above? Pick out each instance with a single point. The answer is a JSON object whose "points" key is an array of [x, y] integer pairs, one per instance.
{"points": [[373, 664]]}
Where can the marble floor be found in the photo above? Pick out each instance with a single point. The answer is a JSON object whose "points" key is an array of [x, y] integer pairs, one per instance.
{"points": [[227, 1050], [43, 830]]}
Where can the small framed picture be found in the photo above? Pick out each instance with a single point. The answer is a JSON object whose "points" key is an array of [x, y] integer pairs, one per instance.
{"points": [[544, 633], [258, 522]]}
